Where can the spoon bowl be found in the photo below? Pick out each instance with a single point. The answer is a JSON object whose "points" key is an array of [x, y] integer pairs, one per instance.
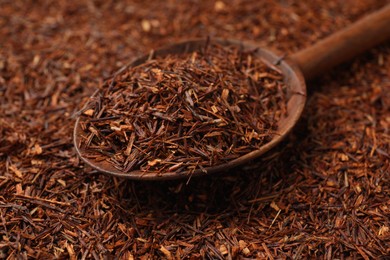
{"points": [[296, 94]]}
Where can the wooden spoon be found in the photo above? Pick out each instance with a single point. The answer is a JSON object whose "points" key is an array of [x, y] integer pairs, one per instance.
{"points": [[306, 64]]}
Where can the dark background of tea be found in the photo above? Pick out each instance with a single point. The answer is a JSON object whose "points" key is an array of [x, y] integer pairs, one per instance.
{"points": [[323, 192]]}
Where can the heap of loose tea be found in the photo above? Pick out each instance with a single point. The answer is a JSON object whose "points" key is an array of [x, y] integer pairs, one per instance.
{"points": [[186, 112]]}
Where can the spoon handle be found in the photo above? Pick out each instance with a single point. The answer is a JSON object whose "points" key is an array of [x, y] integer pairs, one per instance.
{"points": [[345, 44]]}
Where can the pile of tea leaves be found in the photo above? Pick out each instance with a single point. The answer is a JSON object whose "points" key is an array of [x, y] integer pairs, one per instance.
{"points": [[185, 112], [323, 194]]}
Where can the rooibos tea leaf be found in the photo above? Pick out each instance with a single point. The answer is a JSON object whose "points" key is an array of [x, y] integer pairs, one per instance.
{"points": [[186, 112]]}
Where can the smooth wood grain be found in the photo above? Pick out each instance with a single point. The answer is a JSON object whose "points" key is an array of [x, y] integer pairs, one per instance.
{"points": [[345, 44]]}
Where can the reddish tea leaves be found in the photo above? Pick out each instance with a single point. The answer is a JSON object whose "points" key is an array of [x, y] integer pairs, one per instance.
{"points": [[187, 112], [325, 195]]}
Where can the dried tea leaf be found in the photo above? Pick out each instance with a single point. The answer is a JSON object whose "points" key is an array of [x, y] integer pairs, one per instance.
{"points": [[186, 112]]}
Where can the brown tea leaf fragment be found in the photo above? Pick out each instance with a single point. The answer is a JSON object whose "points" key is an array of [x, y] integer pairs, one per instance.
{"points": [[71, 252], [359, 200], [88, 112], [339, 222], [225, 94], [242, 244], [166, 252], [36, 150], [154, 162], [223, 249], [274, 206], [146, 25], [16, 171], [383, 231], [219, 6]]}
